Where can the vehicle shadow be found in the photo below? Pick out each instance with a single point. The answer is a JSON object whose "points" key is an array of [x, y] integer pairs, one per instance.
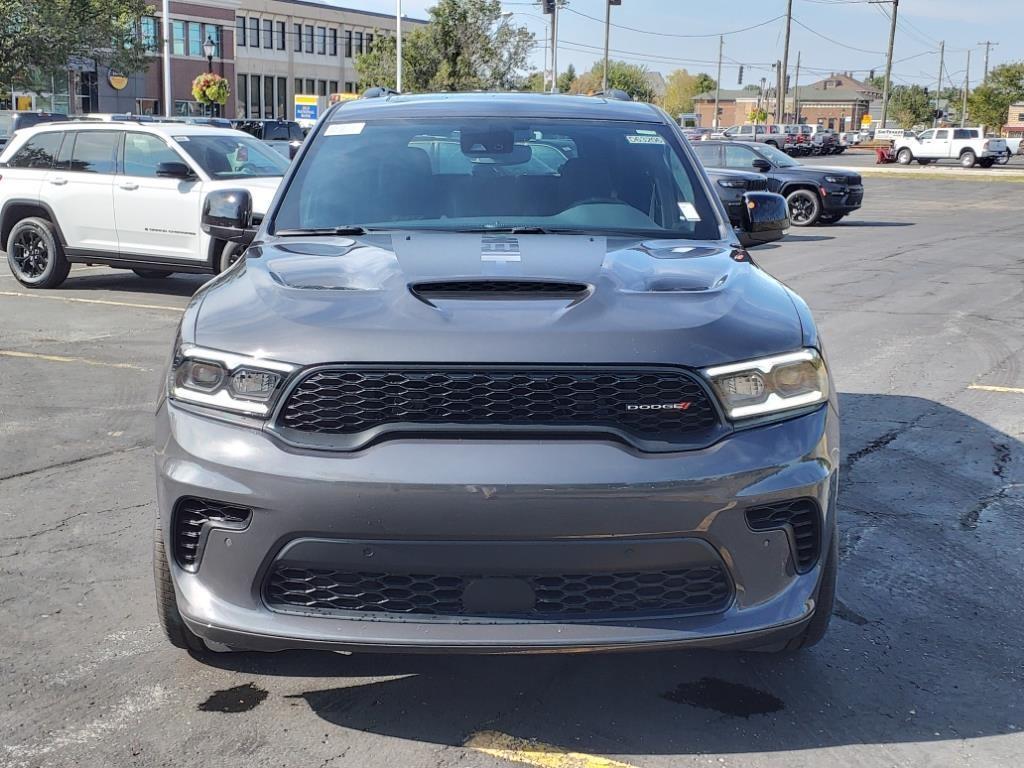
{"points": [[806, 238], [126, 281], [861, 223], [924, 645]]}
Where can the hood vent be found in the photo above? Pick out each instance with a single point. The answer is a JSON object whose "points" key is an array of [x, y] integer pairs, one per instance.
{"points": [[486, 289]]}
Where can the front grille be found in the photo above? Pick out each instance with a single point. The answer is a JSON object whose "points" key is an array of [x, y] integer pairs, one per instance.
{"points": [[801, 518], [702, 589], [488, 288], [191, 516], [757, 185], [352, 401]]}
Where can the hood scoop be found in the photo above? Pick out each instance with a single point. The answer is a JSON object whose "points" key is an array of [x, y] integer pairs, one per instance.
{"points": [[497, 288]]}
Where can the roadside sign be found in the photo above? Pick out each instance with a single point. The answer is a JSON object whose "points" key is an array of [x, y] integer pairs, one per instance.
{"points": [[307, 108], [865, 120]]}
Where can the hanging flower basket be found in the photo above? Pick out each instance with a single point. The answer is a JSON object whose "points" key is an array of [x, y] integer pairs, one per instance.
{"points": [[209, 89]]}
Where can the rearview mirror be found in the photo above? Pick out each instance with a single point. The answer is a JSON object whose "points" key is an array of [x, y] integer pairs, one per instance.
{"points": [[174, 170], [761, 165], [764, 212], [227, 215]]}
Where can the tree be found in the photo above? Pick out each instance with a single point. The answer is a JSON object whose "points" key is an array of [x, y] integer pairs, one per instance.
{"points": [[680, 89], [990, 102], [535, 82], [566, 79], [41, 36], [468, 45], [631, 78], [910, 105]]}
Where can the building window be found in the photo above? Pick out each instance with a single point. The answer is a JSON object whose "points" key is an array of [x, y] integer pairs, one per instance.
{"points": [[369, 42], [298, 86], [242, 96], [350, 87], [268, 97], [309, 39], [149, 36], [213, 32], [334, 42], [239, 30], [348, 43], [195, 38], [280, 35], [178, 38], [359, 43], [333, 88], [282, 97], [254, 32], [310, 87], [321, 88], [254, 93], [268, 33], [321, 40], [297, 34]]}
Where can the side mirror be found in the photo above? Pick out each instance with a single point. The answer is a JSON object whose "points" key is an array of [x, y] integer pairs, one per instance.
{"points": [[764, 212], [761, 165], [227, 215], [174, 170]]}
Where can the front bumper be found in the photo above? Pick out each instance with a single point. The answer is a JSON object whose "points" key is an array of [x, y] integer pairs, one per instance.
{"points": [[595, 500], [842, 198]]}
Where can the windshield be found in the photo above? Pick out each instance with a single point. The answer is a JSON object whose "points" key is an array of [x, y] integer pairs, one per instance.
{"points": [[230, 156], [493, 173], [6, 123], [777, 156]]}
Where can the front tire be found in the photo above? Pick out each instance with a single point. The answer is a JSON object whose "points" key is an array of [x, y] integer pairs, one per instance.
{"points": [[804, 207], [904, 156], [167, 601], [968, 158], [231, 253], [824, 603], [35, 255]]}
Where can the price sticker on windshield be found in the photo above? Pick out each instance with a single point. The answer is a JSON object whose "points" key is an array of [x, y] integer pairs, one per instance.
{"points": [[633, 138], [344, 129]]}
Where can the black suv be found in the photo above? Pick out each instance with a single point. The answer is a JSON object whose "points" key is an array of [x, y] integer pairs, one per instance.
{"points": [[284, 136], [815, 195], [12, 120]]}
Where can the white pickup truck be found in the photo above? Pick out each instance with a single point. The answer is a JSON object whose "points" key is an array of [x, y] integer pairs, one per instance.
{"points": [[966, 145]]}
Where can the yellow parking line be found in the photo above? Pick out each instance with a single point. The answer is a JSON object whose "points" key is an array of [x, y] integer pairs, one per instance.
{"points": [[531, 752], [64, 359], [91, 301], [988, 388]]}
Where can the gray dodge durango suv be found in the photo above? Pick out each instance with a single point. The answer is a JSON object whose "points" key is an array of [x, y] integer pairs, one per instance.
{"points": [[495, 376]]}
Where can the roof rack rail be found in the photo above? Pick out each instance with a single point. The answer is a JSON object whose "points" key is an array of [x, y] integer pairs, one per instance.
{"points": [[379, 92], [614, 93]]}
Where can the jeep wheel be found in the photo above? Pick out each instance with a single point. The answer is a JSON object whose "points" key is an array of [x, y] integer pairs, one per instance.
{"points": [[968, 158], [152, 274], [904, 156], [232, 252], [167, 602], [35, 255], [804, 207]]}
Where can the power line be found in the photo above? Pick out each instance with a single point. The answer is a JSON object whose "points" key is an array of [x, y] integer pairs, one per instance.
{"points": [[677, 34], [833, 40]]}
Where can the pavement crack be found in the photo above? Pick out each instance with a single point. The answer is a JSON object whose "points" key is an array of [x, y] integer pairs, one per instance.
{"points": [[877, 444], [72, 462], [60, 524], [971, 518]]}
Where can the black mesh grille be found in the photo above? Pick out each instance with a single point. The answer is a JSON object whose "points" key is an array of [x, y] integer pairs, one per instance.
{"points": [[499, 287], [652, 405], [190, 516], [701, 589], [757, 185], [801, 517]]}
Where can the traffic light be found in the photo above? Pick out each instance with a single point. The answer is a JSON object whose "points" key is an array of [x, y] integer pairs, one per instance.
{"points": [[549, 6], [740, 80], [614, 2]]}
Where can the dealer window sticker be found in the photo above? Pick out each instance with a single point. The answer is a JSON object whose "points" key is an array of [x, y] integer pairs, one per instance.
{"points": [[634, 138], [344, 129], [689, 213]]}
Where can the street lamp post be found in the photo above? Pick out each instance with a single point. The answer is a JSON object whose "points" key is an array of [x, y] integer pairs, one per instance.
{"points": [[208, 48], [398, 45]]}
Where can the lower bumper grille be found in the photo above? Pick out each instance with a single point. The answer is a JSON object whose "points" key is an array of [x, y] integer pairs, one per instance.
{"points": [[192, 517], [703, 589], [801, 517]]}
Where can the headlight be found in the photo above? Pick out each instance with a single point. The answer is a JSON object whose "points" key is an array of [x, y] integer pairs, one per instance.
{"points": [[733, 183], [835, 179], [224, 381], [771, 384]]}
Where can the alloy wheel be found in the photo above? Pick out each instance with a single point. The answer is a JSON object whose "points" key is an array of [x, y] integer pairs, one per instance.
{"points": [[801, 209], [30, 254]]}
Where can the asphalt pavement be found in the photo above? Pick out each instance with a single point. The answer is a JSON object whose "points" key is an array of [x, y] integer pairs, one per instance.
{"points": [[919, 298]]}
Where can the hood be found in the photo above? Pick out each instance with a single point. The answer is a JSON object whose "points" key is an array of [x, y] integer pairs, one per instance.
{"points": [[262, 190], [371, 299], [817, 173]]}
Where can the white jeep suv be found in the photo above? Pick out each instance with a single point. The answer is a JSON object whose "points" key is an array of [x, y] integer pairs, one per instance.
{"points": [[127, 194]]}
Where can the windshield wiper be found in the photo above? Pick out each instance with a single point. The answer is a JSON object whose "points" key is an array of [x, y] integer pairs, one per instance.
{"points": [[523, 230], [345, 229]]}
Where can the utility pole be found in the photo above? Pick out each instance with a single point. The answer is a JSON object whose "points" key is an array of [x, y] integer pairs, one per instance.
{"points": [[607, 35], [796, 91], [166, 24], [988, 44], [938, 88], [780, 112], [967, 82], [398, 45], [888, 62], [718, 82], [554, 47]]}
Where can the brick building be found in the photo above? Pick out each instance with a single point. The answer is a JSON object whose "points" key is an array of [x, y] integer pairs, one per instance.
{"points": [[1015, 121]]}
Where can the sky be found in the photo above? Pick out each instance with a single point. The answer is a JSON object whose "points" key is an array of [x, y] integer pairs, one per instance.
{"points": [[831, 35]]}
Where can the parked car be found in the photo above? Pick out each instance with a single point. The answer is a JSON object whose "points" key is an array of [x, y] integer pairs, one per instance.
{"points": [[125, 194], [285, 136], [768, 134], [697, 134], [731, 188], [1014, 146], [815, 195], [14, 120], [470, 401], [968, 146]]}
